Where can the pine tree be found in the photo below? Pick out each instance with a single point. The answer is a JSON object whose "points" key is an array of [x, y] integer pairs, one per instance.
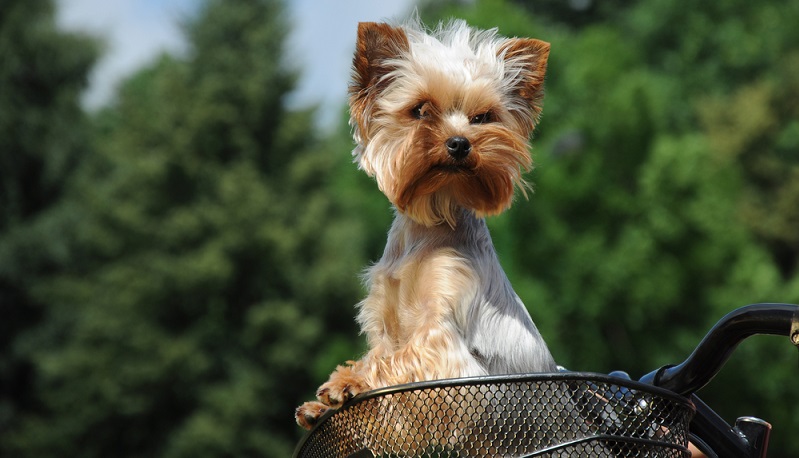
{"points": [[43, 136], [208, 256]]}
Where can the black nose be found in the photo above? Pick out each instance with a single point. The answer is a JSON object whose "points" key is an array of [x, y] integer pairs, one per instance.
{"points": [[458, 147]]}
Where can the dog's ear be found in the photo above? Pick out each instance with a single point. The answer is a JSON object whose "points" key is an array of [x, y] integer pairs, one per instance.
{"points": [[377, 45], [526, 65]]}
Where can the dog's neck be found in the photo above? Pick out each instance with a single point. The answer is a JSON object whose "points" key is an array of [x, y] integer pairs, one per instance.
{"points": [[407, 235]]}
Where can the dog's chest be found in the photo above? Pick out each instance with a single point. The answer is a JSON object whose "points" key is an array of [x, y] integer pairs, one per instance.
{"points": [[420, 290]]}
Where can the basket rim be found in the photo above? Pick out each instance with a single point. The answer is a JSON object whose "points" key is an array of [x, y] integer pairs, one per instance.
{"points": [[566, 376]]}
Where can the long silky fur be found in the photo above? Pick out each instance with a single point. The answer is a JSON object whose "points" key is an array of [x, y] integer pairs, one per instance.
{"points": [[439, 304]]}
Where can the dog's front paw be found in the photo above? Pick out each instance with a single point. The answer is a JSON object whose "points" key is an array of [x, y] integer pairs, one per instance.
{"points": [[342, 386], [308, 414]]}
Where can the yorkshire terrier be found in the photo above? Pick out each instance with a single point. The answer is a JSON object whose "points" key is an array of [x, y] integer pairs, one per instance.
{"points": [[442, 120]]}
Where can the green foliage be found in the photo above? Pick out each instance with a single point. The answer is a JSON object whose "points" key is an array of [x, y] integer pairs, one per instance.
{"points": [[187, 318], [42, 74], [42, 137]]}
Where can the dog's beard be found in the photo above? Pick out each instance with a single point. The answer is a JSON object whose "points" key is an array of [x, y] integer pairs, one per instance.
{"points": [[425, 183]]}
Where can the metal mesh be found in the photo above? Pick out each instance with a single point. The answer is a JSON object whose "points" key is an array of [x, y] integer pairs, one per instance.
{"points": [[546, 415]]}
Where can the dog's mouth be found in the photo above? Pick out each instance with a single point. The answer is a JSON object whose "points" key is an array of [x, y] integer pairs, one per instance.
{"points": [[435, 178], [451, 168]]}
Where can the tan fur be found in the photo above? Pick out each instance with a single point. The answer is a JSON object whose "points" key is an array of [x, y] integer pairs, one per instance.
{"points": [[439, 305]]}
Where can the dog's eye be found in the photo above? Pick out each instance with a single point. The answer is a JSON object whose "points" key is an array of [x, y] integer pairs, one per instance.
{"points": [[482, 118], [420, 111]]}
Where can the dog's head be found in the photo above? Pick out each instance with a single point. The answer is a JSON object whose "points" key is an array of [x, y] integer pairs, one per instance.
{"points": [[442, 119]]}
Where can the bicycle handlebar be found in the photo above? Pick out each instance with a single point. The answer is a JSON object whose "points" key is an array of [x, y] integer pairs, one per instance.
{"points": [[714, 350]]}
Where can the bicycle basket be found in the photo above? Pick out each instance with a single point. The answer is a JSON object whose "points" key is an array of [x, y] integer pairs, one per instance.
{"points": [[528, 415]]}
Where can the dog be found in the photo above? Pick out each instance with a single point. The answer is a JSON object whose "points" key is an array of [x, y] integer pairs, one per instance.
{"points": [[442, 120]]}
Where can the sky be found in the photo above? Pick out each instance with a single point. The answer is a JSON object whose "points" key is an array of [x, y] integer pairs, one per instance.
{"points": [[135, 32]]}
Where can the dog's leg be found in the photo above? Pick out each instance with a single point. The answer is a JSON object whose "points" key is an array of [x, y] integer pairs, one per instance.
{"points": [[415, 318]]}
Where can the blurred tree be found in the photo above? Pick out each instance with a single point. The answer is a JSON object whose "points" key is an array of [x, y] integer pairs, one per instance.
{"points": [[43, 136], [207, 253], [756, 127]]}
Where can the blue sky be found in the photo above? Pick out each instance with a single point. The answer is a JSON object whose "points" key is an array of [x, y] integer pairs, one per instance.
{"points": [[136, 31]]}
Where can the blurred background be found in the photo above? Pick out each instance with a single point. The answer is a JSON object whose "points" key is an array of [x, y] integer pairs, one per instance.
{"points": [[181, 226]]}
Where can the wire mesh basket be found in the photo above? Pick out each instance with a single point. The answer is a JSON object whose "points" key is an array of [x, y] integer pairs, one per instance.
{"points": [[529, 415]]}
